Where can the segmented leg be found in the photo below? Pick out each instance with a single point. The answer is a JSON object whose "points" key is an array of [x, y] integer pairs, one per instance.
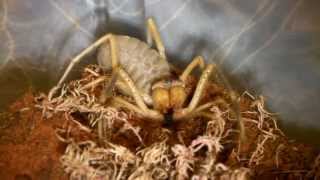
{"points": [[153, 34], [198, 110], [118, 101], [197, 94], [200, 86], [137, 97], [197, 61], [108, 87], [74, 61], [94, 83], [204, 107]]}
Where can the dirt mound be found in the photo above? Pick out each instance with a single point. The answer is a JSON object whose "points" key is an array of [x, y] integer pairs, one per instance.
{"points": [[76, 136]]}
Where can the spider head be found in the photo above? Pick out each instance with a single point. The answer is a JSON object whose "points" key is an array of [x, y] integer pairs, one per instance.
{"points": [[168, 95]]}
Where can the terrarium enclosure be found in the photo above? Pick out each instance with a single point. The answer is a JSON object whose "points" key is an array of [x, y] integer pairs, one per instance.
{"points": [[257, 115], [268, 47]]}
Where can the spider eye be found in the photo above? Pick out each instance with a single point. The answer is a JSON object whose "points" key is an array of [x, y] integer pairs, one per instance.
{"points": [[178, 96], [161, 100]]}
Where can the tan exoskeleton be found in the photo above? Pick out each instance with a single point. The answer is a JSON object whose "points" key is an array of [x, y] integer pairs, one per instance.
{"points": [[143, 75]]}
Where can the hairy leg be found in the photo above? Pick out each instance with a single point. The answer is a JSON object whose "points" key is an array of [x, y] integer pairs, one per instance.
{"points": [[197, 94], [155, 115], [77, 59], [197, 61], [153, 34]]}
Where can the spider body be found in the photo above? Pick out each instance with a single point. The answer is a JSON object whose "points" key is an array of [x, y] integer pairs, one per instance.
{"points": [[144, 64], [143, 75]]}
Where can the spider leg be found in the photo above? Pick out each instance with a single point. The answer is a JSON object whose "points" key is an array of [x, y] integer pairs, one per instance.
{"points": [[199, 110], [94, 83], [118, 101], [203, 107], [200, 86], [123, 87], [144, 110], [153, 34], [197, 94], [197, 61], [74, 61]]}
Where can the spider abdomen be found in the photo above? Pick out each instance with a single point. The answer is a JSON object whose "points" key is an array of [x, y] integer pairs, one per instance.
{"points": [[138, 59]]}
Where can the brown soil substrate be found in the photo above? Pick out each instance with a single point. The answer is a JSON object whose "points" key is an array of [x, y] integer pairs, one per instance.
{"points": [[31, 149]]}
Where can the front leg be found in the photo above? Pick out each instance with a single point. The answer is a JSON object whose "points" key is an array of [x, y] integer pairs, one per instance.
{"points": [[141, 107], [153, 34], [77, 59], [197, 94], [197, 61]]}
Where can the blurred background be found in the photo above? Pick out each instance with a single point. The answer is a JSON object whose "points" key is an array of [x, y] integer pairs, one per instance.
{"points": [[267, 47]]}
